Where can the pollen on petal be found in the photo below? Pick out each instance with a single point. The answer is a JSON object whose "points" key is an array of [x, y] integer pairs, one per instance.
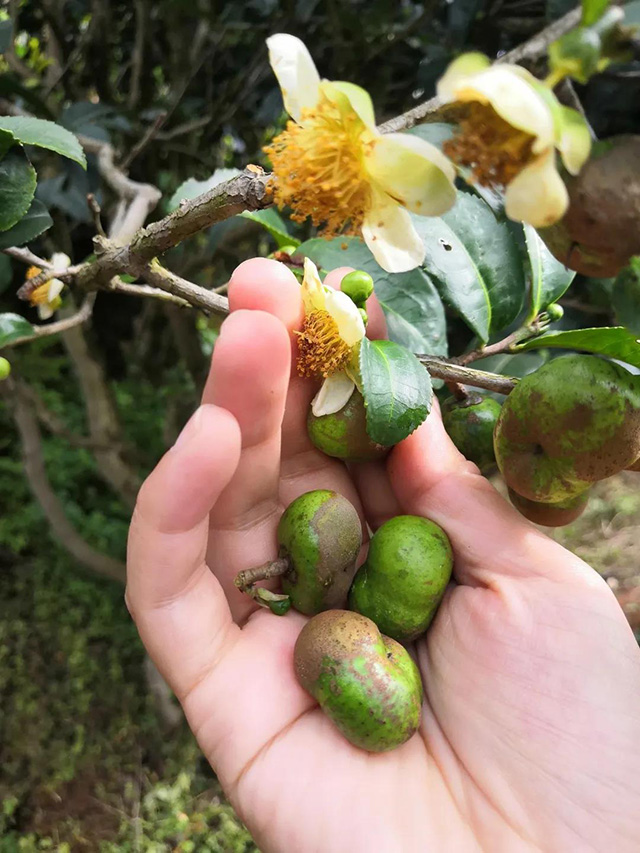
{"points": [[321, 350]]}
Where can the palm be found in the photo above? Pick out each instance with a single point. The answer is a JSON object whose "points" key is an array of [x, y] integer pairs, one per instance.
{"points": [[529, 669]]}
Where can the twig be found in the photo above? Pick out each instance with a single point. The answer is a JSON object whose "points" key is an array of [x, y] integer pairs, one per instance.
{"points": [[81, 316], [150, 134], [441, 369], [27, 257], [181, 129], [94, 207], [531, 49], [138, 290]]}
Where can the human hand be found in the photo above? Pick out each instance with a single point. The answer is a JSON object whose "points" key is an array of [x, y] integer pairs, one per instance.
{"points": [[530, 736]]}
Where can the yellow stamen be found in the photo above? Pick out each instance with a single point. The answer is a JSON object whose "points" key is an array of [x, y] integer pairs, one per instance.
{"points": [[32, 272], [321, 350], [40, 295], [494, 150], [319, 168]]}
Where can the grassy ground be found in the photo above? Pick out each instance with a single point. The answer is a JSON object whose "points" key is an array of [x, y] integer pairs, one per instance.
{"points": [[86, 762]]}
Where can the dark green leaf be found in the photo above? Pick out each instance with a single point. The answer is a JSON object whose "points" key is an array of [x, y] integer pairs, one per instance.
{"points": [[44, 134], [412, 306], [549, 278], [6, 272], [272, 222], [614, 342], [30, 226], [592, 10], [6, 33], [17, 186], [6, 141], [13, 326], [396, 389], [475, 263], [626, 297]]}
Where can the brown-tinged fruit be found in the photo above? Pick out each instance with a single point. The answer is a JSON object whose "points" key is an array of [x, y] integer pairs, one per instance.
{"points": [[573, 422], [600, 231], [548, 514], [320, 534], [366, 683], [635, 466], [344, 433]]}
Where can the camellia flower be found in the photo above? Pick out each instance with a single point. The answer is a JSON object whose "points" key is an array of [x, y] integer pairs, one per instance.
{"points": [[332, 165], [509, 136], [329, 343], [47, 296]]}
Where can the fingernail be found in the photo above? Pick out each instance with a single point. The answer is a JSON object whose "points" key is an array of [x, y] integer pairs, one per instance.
{"points": [[190, 429]]}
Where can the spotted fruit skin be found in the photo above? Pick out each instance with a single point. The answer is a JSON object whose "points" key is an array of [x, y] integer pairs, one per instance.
{"points": [[600, 232], [470, 427], [367, 684], [344, 434], [403, 579], [573, 422], [321, 534], [548, 514]]}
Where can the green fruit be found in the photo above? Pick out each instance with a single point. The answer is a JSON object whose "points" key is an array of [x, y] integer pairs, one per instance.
{"points": [[5, 368], [344, 434], [470, 426], [365, 683], [358, 286], [573, 422], [404, 577], [321, 535], [548, 514], [600, 231]]}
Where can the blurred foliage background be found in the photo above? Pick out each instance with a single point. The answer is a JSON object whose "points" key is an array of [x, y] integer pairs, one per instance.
{"points": [[92, 756]]}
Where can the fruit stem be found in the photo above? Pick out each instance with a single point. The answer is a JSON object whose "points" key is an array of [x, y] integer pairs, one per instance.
{"points": [[459, 391], [452, 372], [272, 569]]}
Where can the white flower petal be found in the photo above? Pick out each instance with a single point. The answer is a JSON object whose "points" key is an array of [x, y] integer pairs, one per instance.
{"points": [[345, 314], [333, 395], [312, 288], [514, 98], [390, 235], [575, 140], [55, 289], [465, 66], [296, 73], [359, 99], [59, 261], [538, 194], [413, 172], [45, 311]]}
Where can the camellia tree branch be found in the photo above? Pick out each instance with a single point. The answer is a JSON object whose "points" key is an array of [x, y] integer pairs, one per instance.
{"points": [[133, 249]]}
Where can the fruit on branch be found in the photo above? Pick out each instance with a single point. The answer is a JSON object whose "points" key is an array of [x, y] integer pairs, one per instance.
{"points": [[344, 433], [573, 422], [365, 683], [319, 539], [470, 424], [404, 577], [5, 368], [600, 231], [550, 514]]}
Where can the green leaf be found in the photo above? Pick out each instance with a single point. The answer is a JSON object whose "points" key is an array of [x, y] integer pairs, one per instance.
{"points": [[191, 188], [412, 306], [592, 11], [28, 228], [396, 389], [611, 341], [272, 222], [44, 134], [626, 296], [6, 141], [474, 260], [549, 278], [17, 187], [13, 326]]}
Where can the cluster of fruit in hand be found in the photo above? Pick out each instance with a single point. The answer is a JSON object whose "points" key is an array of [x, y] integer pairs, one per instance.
{"points": [[351, 660]]}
